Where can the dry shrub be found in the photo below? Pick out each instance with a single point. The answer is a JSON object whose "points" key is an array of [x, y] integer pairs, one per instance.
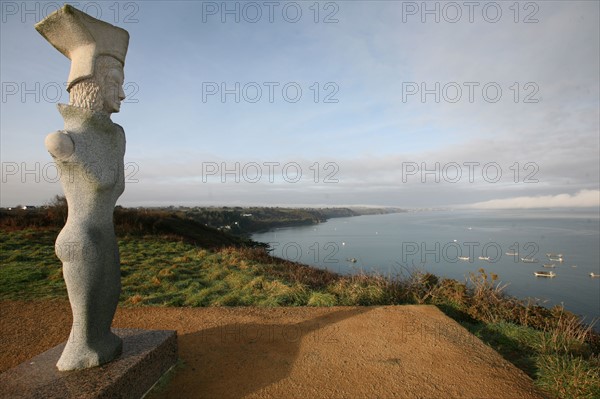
{"points": [[564, 333], [486, 296], [134, 300], [452, 291], [167, 272], [155, 281]]}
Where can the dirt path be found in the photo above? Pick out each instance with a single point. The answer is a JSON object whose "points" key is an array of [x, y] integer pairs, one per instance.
{"points": [[340, 352]]}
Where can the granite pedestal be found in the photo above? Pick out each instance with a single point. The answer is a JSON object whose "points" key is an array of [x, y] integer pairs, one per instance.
{"points": [[147, 355]]}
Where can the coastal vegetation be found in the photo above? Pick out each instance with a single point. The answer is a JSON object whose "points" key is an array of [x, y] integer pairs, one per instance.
{"points": [[171, 257], [244, 221]]}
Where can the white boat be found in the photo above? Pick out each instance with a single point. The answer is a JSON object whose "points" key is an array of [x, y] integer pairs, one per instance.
{"points": [[529, 260], [556, 259], [552, 255], [550, 266], [484, 258], [592, 274], [544, 273], [353, 260], [512, 253], [464, 258]]}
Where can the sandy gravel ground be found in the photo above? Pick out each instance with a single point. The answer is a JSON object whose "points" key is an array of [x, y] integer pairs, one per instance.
{"points": [[340, 352]]}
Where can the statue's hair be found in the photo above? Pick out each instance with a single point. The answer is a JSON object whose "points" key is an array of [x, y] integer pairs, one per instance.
{"points": [[87, 92]]}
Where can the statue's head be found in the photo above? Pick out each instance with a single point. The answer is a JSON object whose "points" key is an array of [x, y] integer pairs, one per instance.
{"points": [[104, 90], [97, 52]]}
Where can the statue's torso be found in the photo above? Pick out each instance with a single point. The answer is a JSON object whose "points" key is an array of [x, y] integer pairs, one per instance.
{"points": [[92, 177]]}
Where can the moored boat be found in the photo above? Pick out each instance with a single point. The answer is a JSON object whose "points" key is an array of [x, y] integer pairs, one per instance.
{"points": [[484, 258], [592, 274], [464, 258], [544, 273], [550, 266], [529, 260]]}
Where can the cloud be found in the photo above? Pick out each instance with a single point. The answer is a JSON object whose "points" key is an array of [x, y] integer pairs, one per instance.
{"points": [[583, 198]]}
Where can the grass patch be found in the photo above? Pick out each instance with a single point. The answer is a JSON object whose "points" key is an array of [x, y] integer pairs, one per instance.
{"points": [[322, 299], [569, 376], [29, 267], [569, 369]]}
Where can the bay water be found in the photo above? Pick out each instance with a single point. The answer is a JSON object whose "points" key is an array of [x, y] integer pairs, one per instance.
{"points": [[432, 241]]}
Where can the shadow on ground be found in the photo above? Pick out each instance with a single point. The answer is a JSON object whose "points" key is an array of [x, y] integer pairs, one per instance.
{"points": [[234, 360]]}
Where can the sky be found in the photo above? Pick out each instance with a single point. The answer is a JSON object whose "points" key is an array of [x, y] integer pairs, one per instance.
{"points": [[332, 103]]}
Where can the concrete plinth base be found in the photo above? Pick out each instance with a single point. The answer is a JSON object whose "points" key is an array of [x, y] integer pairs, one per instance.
{"points": [[147, 355]]}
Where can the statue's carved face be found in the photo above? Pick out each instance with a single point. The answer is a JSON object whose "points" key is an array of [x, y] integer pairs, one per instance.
{"points": [[112, 90], [102, 92]]}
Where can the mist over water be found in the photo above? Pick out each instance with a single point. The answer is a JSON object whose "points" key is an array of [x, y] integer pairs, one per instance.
{"points": [[433, 240]]}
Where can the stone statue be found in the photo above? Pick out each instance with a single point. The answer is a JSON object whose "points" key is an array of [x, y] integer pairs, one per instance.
{"points": [[89, 154]]}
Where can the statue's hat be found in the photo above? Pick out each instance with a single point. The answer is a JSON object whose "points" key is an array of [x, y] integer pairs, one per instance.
{"points": [[83, 38]]}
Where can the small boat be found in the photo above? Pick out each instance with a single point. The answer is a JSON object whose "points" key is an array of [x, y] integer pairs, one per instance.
{"points": [[556, 259], [512, 253], [353, 260], [552, 255], [592, 274], [529, 260], [551, 265], [574, 266], [464, 258], [544, 273], [484, 258]]}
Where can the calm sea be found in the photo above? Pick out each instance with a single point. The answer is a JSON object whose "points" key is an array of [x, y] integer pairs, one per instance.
{"points": [[433, 240]]}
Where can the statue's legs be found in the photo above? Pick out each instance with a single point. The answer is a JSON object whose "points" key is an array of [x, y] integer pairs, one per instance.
{"points": [[91, 270]]}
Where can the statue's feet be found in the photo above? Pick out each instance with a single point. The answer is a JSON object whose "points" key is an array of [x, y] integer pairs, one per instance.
{"points": [[83, 355]]}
